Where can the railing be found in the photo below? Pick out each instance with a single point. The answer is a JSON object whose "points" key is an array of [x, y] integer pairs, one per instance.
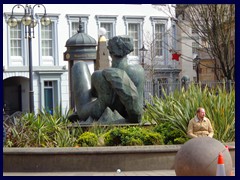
{"points": [[156, 88]]}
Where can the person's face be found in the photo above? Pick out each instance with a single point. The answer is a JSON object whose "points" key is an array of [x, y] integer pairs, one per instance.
{"points": [[201, 113]]}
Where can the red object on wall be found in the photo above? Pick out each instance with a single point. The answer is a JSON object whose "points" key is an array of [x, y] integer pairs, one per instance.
{"points": [[176, 56]]}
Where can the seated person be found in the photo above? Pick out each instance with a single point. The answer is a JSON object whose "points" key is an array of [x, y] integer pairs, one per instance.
{"points": [[200, 126]]}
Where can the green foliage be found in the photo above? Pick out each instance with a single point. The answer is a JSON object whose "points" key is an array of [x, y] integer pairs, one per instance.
{"points": [[63, 139], [169, 134], [87, 139], [152, 138], [41, 130], [178, 108], [67, 137], [221, 110], [113, 137], [129, 136], [99, 129], [171, 115]]}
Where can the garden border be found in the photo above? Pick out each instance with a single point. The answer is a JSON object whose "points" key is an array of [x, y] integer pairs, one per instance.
{"points": [[95, 159]]}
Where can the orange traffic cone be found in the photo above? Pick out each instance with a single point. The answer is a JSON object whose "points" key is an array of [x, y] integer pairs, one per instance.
{"points": [[220, 166]]}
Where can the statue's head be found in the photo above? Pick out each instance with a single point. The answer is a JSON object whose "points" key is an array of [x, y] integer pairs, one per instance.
{"points": [[120, 46]]}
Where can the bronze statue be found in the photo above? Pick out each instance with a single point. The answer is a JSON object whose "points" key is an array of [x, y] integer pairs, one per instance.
{"points": [[117, 90]]}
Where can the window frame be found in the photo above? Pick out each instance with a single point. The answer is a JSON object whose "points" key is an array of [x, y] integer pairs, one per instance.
{"points": [[52, 88], [108, 19], [135, 20], [195, 48], [22, 60], [163, 21], [49, 60], [174, 35], [75, 18], [56, 82], [159, 41]]}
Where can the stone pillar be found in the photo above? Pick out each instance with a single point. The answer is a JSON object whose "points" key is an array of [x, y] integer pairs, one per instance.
{"points": [[102, 60]]}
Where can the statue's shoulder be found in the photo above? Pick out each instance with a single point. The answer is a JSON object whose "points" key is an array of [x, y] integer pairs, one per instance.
{"points": [[135, 69], [136, 73]]}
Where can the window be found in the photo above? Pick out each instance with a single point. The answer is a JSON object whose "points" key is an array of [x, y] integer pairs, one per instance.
{"points": [[194, 30], [109, 29], [75, 27], [48, 96], [48, 43], [50, 85], [134, 32], [174, 37], [16, 40], [109, 23], [160, 37], [16, 43], [134, 28], [195, 47], [73, 21], [47, 40]]}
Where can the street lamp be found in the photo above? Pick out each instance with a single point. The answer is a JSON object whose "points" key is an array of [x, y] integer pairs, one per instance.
{"points": [[29, 22], [196, 60], [143, 50]]}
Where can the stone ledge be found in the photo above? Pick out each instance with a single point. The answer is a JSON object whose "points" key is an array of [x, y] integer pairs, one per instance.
{"points": [[87, 159], [93, 150]]}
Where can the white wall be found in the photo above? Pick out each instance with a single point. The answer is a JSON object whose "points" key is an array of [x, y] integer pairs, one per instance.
{"points": [[186, 50]]}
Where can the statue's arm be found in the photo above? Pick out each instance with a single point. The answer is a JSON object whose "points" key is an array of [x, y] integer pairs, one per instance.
{"points": [[124, 87]]}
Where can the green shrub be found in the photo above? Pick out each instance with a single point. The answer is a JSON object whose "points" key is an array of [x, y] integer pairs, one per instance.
{"points": [[42, 130], [132, 141], [170, 135], [129, 136], [87, 139], [113, 137], [152, 138], [98, 128], [66, 138], [180, 140], [132, 136]]}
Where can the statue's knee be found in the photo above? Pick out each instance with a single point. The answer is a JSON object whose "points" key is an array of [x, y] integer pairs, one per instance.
{"points": [[97, 76]]}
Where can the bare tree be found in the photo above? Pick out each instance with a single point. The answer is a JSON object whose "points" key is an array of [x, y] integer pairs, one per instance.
{"points": [[152, 60], [150, 64], [214, 24], [158, 66]]}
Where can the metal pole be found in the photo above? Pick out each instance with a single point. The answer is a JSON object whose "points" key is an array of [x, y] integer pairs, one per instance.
{"points": [[31, 95], [143, 49], [197, 72]]}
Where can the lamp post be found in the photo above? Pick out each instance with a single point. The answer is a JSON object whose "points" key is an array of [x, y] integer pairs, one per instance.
{"points": [[29, 21], [197, 62], [143, 50]]}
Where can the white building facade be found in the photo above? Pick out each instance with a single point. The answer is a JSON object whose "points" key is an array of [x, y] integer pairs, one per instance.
{"points": [[50, 71]]}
